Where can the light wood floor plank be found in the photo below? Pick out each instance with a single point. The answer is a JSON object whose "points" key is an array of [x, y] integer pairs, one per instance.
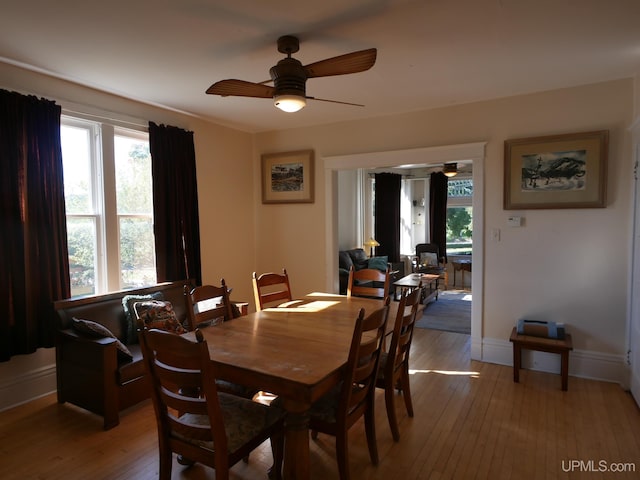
{"points": [[467, 426]]}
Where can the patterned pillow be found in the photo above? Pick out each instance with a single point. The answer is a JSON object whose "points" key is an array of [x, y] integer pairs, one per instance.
{"points": [[131, 328], [158, 314], [97, 330]]}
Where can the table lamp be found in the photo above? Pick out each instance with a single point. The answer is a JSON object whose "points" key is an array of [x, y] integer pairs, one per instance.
{"points": [[371, 243]]}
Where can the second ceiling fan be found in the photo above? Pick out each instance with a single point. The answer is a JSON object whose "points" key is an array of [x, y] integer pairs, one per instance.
{"points": [[289, 77]]}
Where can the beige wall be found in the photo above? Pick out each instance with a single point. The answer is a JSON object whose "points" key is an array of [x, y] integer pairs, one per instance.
{"points": [[568, 265]]}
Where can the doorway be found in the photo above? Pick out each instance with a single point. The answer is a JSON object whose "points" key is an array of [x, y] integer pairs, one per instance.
{"points": [[473, 152]]}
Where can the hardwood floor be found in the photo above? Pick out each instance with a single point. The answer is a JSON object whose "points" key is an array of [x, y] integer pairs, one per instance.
{"points": [[471, 422]]}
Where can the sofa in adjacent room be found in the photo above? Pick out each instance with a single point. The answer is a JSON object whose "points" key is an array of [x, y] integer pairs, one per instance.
{"points": [[357, 257]]}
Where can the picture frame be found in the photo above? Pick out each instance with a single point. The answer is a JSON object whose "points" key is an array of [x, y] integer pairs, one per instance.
{"points": [[288, 177], [556, 171]]}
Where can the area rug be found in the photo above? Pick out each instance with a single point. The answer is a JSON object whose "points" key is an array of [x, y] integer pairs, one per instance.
{"points": [[451, 312]]}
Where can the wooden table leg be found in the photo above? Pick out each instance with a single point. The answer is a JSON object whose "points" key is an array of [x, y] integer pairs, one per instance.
{"points": [[517, 357], [296, 442]]}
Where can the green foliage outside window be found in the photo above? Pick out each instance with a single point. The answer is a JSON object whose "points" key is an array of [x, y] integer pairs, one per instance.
{"points": [[459, 230]]}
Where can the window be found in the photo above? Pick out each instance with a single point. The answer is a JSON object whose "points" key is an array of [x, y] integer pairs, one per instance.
{"points": [[459, 216], [109, 202], [414, 212]]}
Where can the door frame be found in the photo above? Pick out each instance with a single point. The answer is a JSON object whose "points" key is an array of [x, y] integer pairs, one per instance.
{"points": [[416, 156]]}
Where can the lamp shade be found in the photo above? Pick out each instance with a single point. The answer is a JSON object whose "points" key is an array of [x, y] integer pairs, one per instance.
{"points": [[372, 242], [289, 103], [450, 169]]}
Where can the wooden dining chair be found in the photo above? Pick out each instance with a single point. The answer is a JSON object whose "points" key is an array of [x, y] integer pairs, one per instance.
{"points": [[209, 305], [212, 428], [394, 363], [368, 282], [353, 398], [271, 289]]}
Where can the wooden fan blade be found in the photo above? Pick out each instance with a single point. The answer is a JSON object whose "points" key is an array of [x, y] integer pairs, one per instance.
{"points": [[335, 101], [343, 64], [240, 88]]}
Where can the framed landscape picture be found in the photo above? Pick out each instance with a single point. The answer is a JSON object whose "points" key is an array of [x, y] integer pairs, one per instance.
{"points": [[287, 177], [557, 171]]}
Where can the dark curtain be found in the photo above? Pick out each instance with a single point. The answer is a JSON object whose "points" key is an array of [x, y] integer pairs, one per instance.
{"points": [[438, 192], [33, 237], [175, 203], [387, 215]]}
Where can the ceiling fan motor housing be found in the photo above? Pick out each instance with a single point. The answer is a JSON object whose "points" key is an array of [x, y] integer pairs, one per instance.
{"points": [[289, 78]]}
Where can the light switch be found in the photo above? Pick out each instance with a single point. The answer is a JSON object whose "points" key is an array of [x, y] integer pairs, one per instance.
{"points": [[495, 234]]}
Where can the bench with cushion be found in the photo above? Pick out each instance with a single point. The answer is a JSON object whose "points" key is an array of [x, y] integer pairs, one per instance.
{"points": [[98, 359]]}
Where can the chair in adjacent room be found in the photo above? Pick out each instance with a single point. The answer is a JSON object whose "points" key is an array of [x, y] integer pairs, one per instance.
{"points": [[271, 289], [429, 260], [337, 411], [394, 363], [209, 305], [368, 282], [212, 428]]}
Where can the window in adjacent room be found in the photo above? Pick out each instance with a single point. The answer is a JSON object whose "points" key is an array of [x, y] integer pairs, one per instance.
{"points": [[459, 216], [109, 202]]}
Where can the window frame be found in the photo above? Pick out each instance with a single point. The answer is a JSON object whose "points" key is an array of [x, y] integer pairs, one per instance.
{"points": [[107, 274], [461, 202]]}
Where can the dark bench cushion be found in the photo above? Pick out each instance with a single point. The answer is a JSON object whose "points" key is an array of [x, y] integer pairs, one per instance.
{"points": [[132, 370]]}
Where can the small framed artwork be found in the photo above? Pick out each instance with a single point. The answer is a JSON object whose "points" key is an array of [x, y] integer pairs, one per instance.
{"points": [[557, 171], [287, 177]]}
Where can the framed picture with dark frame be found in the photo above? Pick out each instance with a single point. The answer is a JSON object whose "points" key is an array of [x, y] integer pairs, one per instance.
{"points": [[556, 171], [288, 177]]}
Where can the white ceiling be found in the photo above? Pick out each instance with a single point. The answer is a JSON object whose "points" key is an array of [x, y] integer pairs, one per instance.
{"points": [[431, 53]]}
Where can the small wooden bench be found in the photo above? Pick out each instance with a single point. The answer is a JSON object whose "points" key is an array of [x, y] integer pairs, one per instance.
{"points": [[550, 345]]}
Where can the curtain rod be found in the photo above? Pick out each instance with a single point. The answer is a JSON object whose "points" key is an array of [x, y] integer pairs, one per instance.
{"points": [[76, 109], [105, 116], [373, 174], [406, 177]]}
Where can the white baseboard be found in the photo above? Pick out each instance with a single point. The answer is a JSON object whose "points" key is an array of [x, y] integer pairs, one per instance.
{"points": [[582, 363], [27, 386]]}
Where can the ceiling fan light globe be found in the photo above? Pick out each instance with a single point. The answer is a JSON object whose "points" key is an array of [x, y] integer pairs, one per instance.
{"points": [[450, 169], [289, 103]]}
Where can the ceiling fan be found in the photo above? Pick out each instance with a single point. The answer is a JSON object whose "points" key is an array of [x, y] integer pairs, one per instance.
{"points": [[289, 77]]}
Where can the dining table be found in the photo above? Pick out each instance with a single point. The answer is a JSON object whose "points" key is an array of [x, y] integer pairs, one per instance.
{"points": [[296, 351]]}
